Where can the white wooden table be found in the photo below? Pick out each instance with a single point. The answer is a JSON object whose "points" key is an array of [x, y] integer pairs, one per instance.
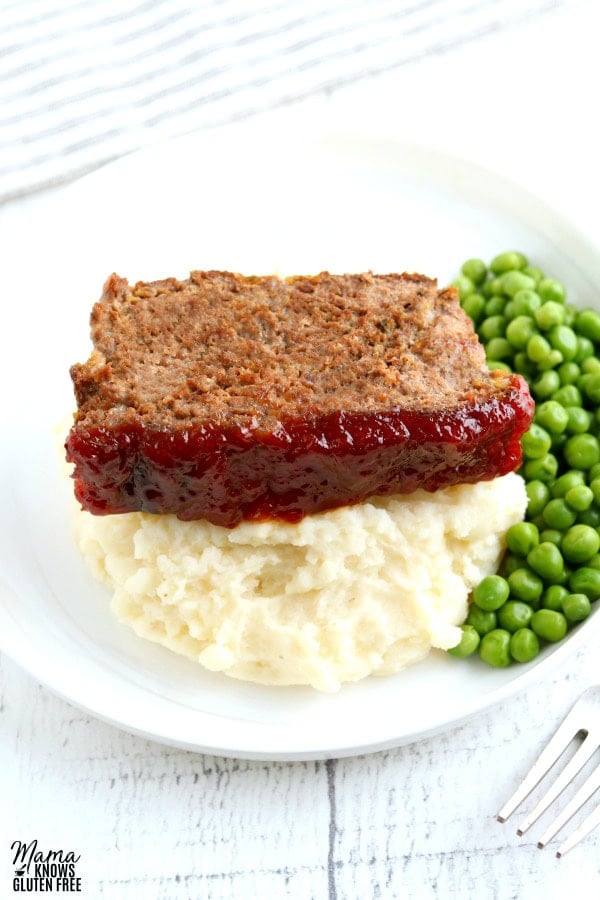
{"points": [[415, 822]]}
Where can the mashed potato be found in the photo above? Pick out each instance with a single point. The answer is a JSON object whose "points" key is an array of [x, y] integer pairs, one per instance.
{"points": [[361, 590]]}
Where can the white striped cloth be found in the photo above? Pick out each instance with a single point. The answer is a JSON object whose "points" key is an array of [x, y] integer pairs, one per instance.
{"points": [[86, 81]]}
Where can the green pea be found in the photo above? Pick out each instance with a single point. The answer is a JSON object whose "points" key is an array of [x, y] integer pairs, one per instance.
{"points": [[525, 585], [594, 562], [564, 339], [475, 269], [533, 272], [549, 315], [559, 441], [525, 303], [552, 536], [546, 385], [505, 262], [521, 538], [551, 290], [591, 366], [587, 323], [543, 469], [482, 620], [553, 597], [585, 349], [514, 615], [498, 348], [474, 306], [494, 648], [549, 624], [520, 330], [464, 286], [524, 365], [538, 494], [547, 561], [524, 645], [579, 498], [568, 373], [537, 348], [589, 516], [493, 326], [580, 543], [551, 361], [495, 306], [496, 286], [585, 580], [569, 480], [536, 442], [491, 592], [582, 451], [468, 643], [592, 388], [513, 282], [552, 416], [557, 514], [568, 395], [580, 420], [576, 607], [493, 364]]}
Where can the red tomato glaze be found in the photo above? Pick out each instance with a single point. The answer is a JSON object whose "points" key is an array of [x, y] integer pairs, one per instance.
{"points": [[305, 465]]}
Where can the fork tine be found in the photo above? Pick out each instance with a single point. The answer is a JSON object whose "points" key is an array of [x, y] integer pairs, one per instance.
{"points": [[586, 827], [587, 789], [587, 749], [555, 748]]}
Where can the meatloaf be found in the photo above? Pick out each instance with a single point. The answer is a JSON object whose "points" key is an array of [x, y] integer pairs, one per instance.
{"points": [[227, 397]]}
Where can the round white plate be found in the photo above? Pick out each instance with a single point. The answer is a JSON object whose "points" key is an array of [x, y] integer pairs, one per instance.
{"points": [[254, 204]]}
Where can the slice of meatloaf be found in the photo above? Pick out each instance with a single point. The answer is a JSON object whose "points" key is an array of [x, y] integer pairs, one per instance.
{"points": [[228, 398]]}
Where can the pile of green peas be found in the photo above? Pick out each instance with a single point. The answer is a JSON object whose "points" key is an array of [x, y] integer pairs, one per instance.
{"points": [[550, 574]]}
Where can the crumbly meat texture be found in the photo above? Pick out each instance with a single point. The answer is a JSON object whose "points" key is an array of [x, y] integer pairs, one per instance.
{"points": [[228, 398], [222, 347]]}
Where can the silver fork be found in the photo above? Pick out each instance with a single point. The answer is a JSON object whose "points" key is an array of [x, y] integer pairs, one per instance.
{"points": [[584, 719]]}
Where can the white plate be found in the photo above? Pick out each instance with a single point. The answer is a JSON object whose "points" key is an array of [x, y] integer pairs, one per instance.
{"points": [[253, 204]]}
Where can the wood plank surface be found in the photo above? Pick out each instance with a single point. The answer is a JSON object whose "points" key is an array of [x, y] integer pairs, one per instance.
{"points": [[413, 822]]}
